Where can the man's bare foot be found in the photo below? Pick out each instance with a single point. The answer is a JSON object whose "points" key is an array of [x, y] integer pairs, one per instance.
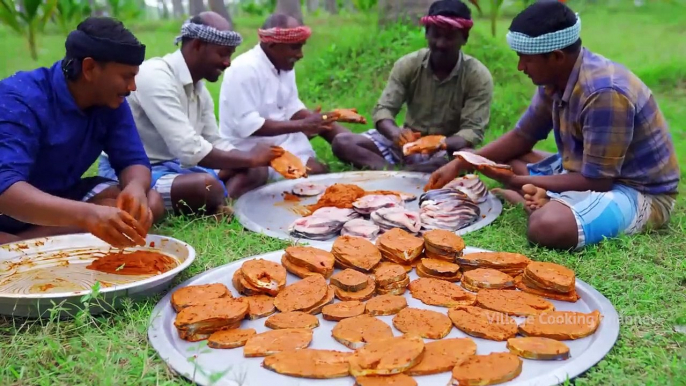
{"points": [[534, 196], [509, 195]]}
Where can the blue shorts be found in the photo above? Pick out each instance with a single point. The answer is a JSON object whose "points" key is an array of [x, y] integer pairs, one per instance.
{"points": [[601, 215], [163, 175]]}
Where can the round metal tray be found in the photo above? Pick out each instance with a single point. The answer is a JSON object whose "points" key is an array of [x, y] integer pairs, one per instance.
{"points": [[39, 276], [205, 366], [264, 210]]}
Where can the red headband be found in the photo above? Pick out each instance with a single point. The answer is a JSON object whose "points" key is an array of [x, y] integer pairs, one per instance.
{"points": [[284, 35], [448, 22]]}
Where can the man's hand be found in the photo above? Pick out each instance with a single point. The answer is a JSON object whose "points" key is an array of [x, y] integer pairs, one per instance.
{"points": [[316, 123], [134, 201], [444, 174], [263, 154], [404, 136], [114, 226], [504, 176]]}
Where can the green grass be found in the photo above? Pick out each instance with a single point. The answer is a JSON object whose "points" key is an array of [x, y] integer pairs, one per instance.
{"points": [[346, 64]]}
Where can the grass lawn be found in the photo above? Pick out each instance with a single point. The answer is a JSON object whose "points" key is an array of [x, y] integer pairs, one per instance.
{"points": [[346, 65]]}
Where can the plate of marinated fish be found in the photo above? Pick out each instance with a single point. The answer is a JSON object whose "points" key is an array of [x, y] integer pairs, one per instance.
{"points": [[383, 313], [321, 208], [39, 277]]}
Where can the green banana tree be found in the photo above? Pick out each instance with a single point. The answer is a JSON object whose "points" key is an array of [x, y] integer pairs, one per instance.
{"points": [[70, 12], [495, 12], [30, 21]]}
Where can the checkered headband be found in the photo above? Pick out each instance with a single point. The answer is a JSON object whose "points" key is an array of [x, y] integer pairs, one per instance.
{"points": [[527, 45], [284, 35], [209, 35]]}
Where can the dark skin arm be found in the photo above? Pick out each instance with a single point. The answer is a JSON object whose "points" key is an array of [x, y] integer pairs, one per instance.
{"points": [[456, 143], [563, 182], [388, 129], [136, 177], [233, 159], [328, 135]]}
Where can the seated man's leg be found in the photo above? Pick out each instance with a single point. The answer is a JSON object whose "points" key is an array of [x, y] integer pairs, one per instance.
{"points": [[360, 151], [314, 166], [189, 193], [244, 181], [520, 165], [571, 220]]}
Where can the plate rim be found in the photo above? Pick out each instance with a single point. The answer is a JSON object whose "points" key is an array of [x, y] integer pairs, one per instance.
{"points": [[241, 215], [114, 288], [595, 352]]}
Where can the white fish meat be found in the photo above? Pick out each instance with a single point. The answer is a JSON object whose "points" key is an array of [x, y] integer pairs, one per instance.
{"points": [[336, 214], [471, 185], [308, 189], [370, 203], [315, 228], [388, 218], [477, 160], [447, 209], [360, 228]]}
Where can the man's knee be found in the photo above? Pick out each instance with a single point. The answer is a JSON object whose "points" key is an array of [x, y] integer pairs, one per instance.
{"points": [[197, 190], [258, 176], [552, 227], [342, 143], [156, 205]]}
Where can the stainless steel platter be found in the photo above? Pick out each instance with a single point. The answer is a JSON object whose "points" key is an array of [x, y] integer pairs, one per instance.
{"points": [[264, 210], [206, 366], [42, 275]]}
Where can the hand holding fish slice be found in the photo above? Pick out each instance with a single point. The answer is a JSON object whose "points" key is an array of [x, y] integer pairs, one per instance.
{"points": [[425, 145], [406, 136], [288, 165]]}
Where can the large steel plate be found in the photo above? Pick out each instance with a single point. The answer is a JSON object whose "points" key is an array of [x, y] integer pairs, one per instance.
{"points": [[265, 211], [39, 276], [205, 366]]}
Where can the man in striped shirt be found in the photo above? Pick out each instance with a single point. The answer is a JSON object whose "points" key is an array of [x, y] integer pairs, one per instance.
{"points": [[615, 170]]}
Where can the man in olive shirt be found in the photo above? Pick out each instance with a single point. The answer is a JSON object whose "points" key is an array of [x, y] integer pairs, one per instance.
{"points": [[447, 93]]}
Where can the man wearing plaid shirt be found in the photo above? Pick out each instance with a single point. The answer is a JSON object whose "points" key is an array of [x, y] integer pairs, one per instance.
{"points": [[615, 170]]}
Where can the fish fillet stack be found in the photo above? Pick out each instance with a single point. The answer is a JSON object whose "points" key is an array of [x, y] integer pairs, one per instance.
{"points": [[548, 280], [471, 185], [400, 247], [391, 279], [322, 224], [308, 295], [308, 261], [259, 276], [439, 269], [368, 204], [397, 218], [350, 284], [447, 209], [199, 322], [356, 253], [510, 263], [443, 245]]}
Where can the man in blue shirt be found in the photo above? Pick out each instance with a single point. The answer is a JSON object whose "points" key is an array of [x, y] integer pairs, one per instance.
{"points": [[55, 122]]}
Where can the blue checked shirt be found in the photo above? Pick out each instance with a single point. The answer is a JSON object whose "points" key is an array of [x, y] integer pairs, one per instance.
{"points": [[607, 124]]}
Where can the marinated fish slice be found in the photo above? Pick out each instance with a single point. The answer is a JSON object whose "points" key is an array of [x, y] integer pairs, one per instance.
{"points": [[432, 255], [302, 294], [387, 356], [193, 295], [356, 252], [242, 286], [350, 280], [360, 228], [197, 336], [495, 260], [259, 306], [469, 287], [441, 356], [488, 278], [348, 115], [551, 276], [571, 297], [515, 303], [212, 316], [425, 145], [299, 271], [439, 267], [385, 305], [561, 325], [488, 369], [309, 363], [441, 293], [314, 259], [228, 339], [362, 295], [389, 273], [390, 218], [400, 245], [425, 323], [373, 202], [392, 291], [268, 276], [483, 323], [407, 267], [308, 189], [293, 319], [289, 166], [275, 341], [357, 331], [442, 241], [538, 348], [343, 310], [390, 258], [422, 272], [387, 380], [328, 299]]}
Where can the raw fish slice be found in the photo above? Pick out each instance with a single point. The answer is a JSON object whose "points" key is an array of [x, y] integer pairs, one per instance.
{"points": [[336, 214], [373, 202], [308, 189], [315, 228], [479, 161], [470, 185], [402, 218], [360, 228], [440, 195]]}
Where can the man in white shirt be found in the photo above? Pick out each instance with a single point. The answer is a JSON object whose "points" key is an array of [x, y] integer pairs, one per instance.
{"points": [[174, 114], [259, 102]]}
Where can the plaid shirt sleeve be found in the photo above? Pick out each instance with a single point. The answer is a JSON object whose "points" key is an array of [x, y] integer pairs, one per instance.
{"points": [[607, 121], [537, 121]]}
